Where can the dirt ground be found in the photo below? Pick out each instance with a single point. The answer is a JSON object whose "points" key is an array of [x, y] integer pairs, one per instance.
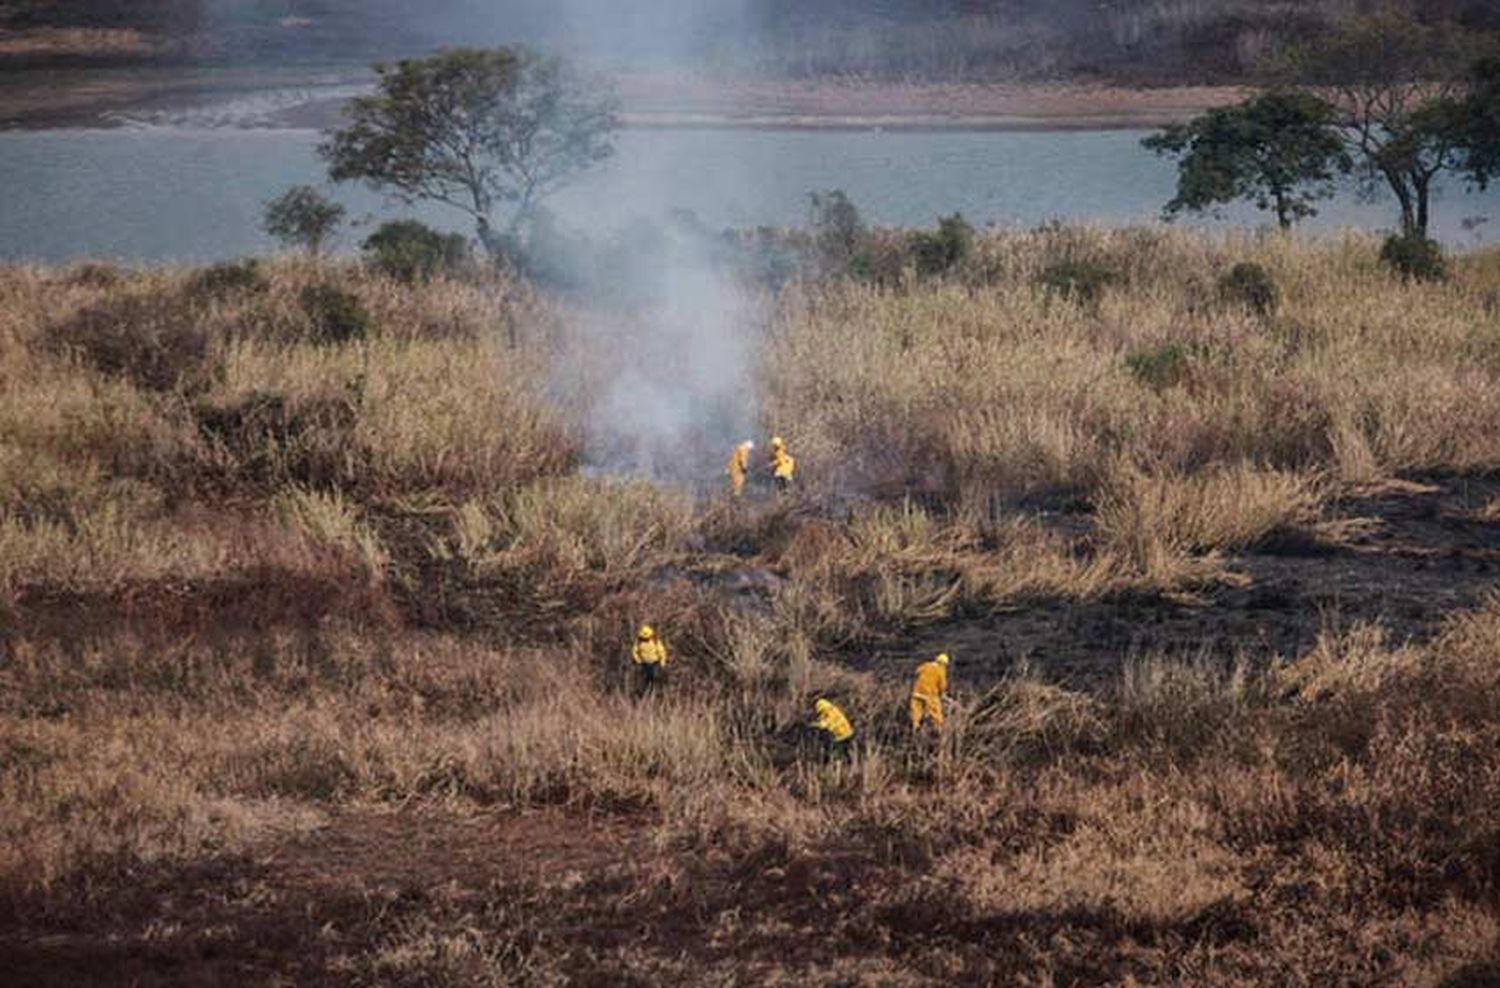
{"points": [[296, 912], [382, 897]]}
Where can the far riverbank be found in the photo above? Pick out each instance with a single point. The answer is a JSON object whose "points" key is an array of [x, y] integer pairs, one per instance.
{"points": [[312, 97]]}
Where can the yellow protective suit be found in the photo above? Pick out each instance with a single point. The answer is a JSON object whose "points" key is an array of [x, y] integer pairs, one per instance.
{"points": [[648, 650], [783, 464], [832, 721], [927, 692], [739, 467]]}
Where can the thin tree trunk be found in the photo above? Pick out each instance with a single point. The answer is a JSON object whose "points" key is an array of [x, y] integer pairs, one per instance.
{"points": [[487, 239], [1408, 209], [1422, 186]]}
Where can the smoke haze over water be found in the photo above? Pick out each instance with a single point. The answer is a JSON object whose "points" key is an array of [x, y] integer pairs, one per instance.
{"points": [[678, 390]]}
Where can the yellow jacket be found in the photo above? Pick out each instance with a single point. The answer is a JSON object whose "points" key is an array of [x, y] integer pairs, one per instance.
{"points": [[739, 466], [783, 464], [932, 680], [649, 653], [832, 720]]}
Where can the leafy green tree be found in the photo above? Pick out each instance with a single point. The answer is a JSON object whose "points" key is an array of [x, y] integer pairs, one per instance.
{"points": [[303, 217], [1399, 90], [940, 251], [1278, 150], [411, 251], [476, 129], [836, 224], [1479, 124]]}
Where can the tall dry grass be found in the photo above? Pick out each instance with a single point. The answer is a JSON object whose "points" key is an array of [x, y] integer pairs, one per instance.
{"points": [[991, 385], [251, 577]]}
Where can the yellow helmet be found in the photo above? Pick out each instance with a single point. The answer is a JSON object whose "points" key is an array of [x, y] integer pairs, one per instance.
{"points": [[777, 441], [822, 706], [942, 659], [646, 633]]}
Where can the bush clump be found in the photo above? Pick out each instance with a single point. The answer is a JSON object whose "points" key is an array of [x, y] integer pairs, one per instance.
{"points": [[1250, 285], [411, 251], [1083, 282], [837, 228], [228, 278], [265, 440], [337, 315], [1161, 367], [881, 259], [942, 250], [93, 274], [1415, 257], [153, 341], [765, 256]]}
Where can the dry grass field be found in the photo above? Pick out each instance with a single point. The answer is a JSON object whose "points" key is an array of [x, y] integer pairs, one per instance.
{"points": [[312, 639]]}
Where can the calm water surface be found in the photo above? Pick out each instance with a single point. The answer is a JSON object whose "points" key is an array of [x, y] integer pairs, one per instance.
{"points": [[182, 193]]}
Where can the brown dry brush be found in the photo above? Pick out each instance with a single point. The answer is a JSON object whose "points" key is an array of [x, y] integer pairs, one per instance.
{"points": [[251, 575]]}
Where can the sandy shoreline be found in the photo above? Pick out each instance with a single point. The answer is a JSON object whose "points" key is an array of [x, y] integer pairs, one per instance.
{"points": [[312, 98]]}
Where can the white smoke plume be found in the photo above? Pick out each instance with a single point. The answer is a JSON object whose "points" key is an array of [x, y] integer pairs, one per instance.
{"points": [[675, 385]]}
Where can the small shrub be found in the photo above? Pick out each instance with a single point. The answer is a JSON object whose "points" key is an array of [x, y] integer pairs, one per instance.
{"points": [[881, 260], [1083, 282], [836, 225], [152, 341], [766, 257], [226, 279], [1250, 285], [303, 217], [1160, 367], [264, 441], [92, 274], [1415, 257], [411, 251], [943, 250], [337, 315]]}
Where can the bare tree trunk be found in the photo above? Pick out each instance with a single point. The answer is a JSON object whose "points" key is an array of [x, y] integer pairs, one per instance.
{"points": [[1407, 199], [492, 244], [1422, 187]]}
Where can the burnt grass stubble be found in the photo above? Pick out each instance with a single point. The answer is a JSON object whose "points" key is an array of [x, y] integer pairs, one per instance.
{"points": [[1417, 555]]}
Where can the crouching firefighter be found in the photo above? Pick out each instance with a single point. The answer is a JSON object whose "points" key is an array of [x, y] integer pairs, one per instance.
{"points": [[650, 658], [836, 731]]}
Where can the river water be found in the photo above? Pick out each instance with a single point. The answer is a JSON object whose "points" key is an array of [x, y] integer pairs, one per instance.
{"points": [[192, 192]]}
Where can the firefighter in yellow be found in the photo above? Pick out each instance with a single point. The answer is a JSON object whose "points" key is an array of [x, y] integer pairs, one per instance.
{"points": [[838, 733], [783, 464], [650, 658], [739, 467], [927, 692]]}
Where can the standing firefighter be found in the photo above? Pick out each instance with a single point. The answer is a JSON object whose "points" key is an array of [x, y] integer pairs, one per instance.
{"points": [[783, 464], [927, 692], [650, 658], [739, 467], [838, 733]]}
